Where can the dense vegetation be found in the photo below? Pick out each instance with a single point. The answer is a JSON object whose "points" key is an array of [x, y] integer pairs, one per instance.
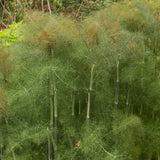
{"points": [[86, 89], [12, 11]]}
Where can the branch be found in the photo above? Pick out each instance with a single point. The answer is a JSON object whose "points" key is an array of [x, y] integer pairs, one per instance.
{"points": [[42, 6], [15, 10], [79, 9], [2, 11], [49, 7]]}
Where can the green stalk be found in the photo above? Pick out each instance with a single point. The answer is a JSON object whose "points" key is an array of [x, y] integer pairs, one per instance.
{"points": [[51, 122], [14, 158], [158, 156], [55, 121], [132, 112], [49, 149], [50, 137], [117, 88], [89, 101], [79, 112], [51, 109], [127, 103], [72, 120], [73, 107], [1, 152], [50, 95], [153, 115], [116, 94], [141, 96], [51, 142], [141, 109], [89, 95]]}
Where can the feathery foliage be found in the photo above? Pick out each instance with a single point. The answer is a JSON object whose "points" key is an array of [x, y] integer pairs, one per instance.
{"points": [[61, 66]]}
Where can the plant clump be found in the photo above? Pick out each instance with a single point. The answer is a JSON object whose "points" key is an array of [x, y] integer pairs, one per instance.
{"points": [[83, 90]]}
